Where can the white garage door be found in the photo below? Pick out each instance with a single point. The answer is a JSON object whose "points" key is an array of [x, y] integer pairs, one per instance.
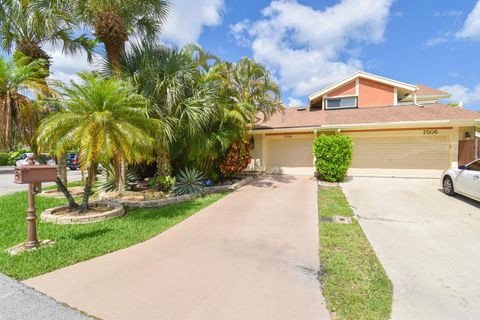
{"points": [[401, 152], [290, 155]]}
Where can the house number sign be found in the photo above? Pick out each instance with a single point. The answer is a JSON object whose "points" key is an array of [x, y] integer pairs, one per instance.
{"points": [[430, 131], [287, 137]]}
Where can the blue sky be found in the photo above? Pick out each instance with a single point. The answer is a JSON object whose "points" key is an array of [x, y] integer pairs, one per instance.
{"points": [[310, 44]]}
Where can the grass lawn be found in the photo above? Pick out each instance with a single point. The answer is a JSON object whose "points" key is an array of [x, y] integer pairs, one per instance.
{"points": [[75, 243], [353, 280]]}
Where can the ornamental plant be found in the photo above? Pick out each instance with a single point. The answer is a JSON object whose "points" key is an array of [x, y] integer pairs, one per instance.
{"points": [[333, 156], [237, 159]]}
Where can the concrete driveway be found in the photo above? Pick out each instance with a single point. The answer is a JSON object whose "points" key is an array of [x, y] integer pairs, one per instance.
{"points": [[251, 255], [428, 243]]}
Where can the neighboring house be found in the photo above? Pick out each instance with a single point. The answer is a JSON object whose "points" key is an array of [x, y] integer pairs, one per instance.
{"points": [[394, 125]]}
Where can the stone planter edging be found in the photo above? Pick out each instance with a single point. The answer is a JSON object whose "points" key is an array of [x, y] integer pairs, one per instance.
{"points": [[49, 216], [177, 199]]}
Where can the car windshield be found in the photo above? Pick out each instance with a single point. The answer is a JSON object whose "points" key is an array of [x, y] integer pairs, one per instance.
{"points": [[474, 165], [72, 156]]}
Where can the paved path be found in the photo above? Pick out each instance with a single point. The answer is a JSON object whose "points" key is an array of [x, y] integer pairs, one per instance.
{"points": [[251, 255], [19, 302], [428, 243], [7, 185]]}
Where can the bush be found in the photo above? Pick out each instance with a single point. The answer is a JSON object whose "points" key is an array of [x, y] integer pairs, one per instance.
{"points": [[333, 155], [189, 181], [4, 159], [238, 158], [162, 183]]}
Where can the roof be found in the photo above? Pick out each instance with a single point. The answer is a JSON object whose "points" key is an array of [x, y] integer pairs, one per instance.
{"points": [[427, 91], [293, 118], [366, 75]]}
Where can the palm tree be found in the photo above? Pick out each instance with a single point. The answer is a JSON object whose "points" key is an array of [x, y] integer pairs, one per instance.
{"points": [[170, 78], [28, 25], [116, 21], [20, 116], [102, 116]]}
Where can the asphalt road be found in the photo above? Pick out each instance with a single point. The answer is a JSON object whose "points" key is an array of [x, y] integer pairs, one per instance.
{"points": [[7, 185]]}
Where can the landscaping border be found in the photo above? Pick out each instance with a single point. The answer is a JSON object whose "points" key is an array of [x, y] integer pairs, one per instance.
{"points": [[131, 204], [49, 216]]}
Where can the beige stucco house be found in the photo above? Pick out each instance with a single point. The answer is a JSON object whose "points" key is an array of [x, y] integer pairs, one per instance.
{"points": [[394, 125]]}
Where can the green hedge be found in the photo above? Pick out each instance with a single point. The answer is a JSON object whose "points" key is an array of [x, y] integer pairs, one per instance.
{"points": [[4, 159], [333, 156]]}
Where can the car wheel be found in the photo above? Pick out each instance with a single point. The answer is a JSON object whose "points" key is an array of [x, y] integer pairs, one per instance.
{"points": [[448, 186]]}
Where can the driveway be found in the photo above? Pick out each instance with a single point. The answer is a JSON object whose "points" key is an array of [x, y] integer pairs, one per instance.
{"points": [[251, 255], [428, 243]]}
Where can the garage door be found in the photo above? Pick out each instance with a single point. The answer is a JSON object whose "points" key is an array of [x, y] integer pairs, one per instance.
{"points": [[401, 152], [290, 155]]}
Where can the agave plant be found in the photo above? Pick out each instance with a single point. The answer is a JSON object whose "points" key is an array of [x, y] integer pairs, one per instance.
{"points": [[189, 181], [110, 183]]}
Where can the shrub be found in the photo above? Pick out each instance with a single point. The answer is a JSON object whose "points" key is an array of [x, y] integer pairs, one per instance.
{"points": [[189, 181], [108, 182], [4, 159], [238, 158], [162, 183], [333, 155]]}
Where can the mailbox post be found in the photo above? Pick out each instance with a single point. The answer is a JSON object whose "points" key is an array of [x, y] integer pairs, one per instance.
{"points": [[33, 174]]}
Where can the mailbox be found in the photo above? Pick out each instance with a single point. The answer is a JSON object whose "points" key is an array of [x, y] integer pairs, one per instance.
{"points": [[35, 174]]}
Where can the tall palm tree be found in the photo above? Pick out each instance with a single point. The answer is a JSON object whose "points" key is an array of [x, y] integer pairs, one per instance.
{"points": [[116, 21], [19, 116], [170, 78], [28, 25], [102, 116]]}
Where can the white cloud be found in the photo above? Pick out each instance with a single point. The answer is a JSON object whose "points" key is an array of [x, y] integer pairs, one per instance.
{"points": [[294, 102], [309, 49], [65, 67], [448, 13], [471, 27], [470, 97], [188, 18], [437, 40]]}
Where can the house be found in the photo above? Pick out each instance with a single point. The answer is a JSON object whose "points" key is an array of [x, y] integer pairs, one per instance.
{"points": [[393, 125]]}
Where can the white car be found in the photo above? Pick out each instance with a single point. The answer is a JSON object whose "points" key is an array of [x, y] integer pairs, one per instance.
{"points": [[465, 180], [23, 160]]}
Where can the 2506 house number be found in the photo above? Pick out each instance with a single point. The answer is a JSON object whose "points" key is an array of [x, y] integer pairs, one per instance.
{"points": [[430, 131]]}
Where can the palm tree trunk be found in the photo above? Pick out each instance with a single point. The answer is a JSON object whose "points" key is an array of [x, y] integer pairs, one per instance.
{"points": [[62, 170], [72, 204], [8, 122], [164, 167], [88, 187]]}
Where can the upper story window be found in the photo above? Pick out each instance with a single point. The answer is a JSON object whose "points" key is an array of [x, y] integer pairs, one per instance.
{"points": [[341, 103]]}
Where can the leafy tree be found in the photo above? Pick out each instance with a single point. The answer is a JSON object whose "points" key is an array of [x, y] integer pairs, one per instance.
{"points": [[237, 159], [28, 25], [102, 117], [116, 21], [19, 115]]}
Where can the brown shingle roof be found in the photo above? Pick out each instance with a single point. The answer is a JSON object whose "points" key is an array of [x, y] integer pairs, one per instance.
{"points": [[427, 91], [303, 118]]}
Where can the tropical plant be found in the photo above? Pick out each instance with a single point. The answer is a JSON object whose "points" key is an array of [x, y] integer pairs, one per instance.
{"points": [[189, 181], [162, 183], [108, 182], [115, 21], [101, 117], [237, 159], [28, 25], [19, 115], [333, 155]]}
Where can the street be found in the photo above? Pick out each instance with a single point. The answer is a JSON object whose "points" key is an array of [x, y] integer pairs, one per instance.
{"points": [[7, 185]]}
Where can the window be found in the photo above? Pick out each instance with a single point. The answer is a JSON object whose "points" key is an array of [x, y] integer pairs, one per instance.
{"points": [[341, 103], [474, 166]]}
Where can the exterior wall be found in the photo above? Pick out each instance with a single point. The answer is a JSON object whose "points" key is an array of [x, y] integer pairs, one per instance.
{"points": [[374, 94], [257, 162], [462, 132], [345, 90]]}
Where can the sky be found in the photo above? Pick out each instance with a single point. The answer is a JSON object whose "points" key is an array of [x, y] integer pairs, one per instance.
{"points": [[309, 44]]}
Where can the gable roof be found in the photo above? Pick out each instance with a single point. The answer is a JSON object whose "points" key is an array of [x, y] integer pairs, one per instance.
{"points": [[427, 91], [293, 118], [365, 75]]}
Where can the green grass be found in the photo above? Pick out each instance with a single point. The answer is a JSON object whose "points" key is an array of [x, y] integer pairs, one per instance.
{"points": [[75, 243], [354, 282]]}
